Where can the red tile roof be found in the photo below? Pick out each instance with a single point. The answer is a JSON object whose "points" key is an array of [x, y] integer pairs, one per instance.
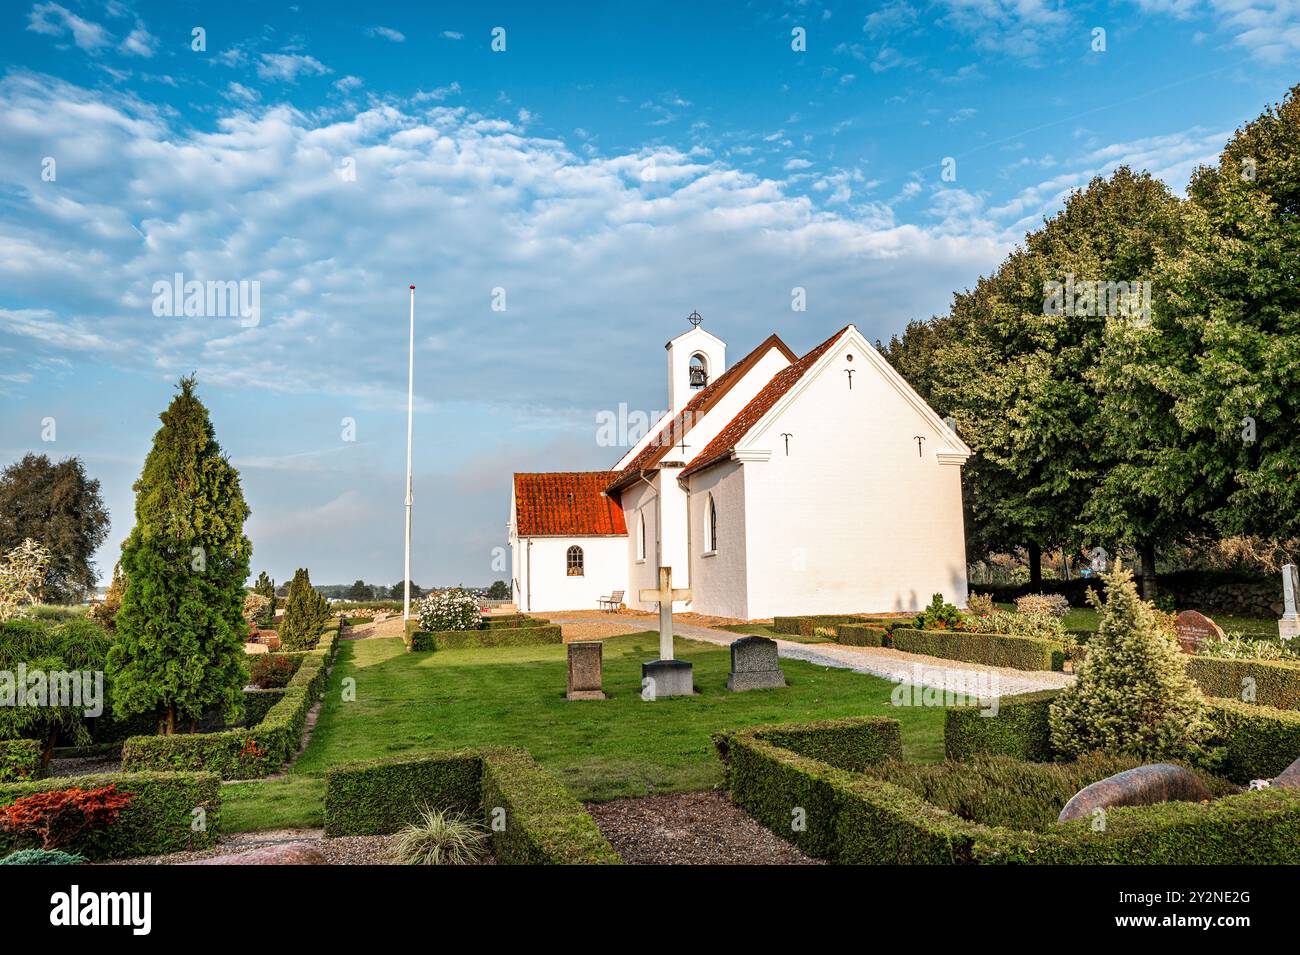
{"points": [[671, 433], [565, 504], [739, 426]]}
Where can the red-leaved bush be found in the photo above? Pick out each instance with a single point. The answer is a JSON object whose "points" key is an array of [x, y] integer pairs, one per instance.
{"points": [[57, 818], [272, 670]]}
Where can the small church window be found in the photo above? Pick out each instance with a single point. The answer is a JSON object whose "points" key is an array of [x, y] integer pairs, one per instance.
{"points": [[699, 371], [573, 559], [711, 525]]}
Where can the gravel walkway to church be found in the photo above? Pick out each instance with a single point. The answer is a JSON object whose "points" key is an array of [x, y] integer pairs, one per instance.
{"points": [[877, 661]]}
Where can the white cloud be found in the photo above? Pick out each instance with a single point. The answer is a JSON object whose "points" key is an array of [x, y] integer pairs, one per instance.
{"points": [[239, 93], [139, 42], [1025, 29], [289, 66], [387, 33], [51, 19], [347, 84], [452, 35]]}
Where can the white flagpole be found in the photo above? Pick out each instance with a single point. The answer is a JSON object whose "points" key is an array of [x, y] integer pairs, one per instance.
{"points": [[410, 411]]}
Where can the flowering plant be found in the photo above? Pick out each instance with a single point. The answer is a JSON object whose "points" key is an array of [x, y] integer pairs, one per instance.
{"points": [[449, 610]]}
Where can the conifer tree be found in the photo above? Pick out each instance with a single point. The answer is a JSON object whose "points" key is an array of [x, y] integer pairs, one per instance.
{"points": [[305, 613], [179, 650], [266, 587], [1132, 694]]}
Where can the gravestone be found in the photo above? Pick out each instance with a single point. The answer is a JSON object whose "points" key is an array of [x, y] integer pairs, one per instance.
{"points": [[585, 671], [1143, 786], [1289, 625], [1193, 629], [754, 665], [666, 676]]}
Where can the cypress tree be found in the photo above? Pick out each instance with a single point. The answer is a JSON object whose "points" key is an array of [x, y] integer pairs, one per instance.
{"points": [[180, 633], [305, 612], [266, 587]]}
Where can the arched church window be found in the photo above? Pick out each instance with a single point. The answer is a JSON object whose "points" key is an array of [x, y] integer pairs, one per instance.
{"points": [[573, 560], [711, 525], [699, 371]]}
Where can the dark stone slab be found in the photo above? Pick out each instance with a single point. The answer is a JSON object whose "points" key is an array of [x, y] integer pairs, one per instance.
{"points": [[1143, 786], [755, 665]]}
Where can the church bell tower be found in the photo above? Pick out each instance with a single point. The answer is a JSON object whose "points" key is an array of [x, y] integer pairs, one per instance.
{"points": [[695, 360]]}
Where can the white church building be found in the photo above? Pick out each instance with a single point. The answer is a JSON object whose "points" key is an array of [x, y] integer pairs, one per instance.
{"points": [[779, 485]]}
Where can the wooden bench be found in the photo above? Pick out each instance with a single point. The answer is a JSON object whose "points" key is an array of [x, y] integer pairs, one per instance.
{"points": [[612, 602]]}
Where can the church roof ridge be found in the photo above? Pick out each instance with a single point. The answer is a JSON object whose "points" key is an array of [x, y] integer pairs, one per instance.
{"points": [[726, 440], [680, 425]]}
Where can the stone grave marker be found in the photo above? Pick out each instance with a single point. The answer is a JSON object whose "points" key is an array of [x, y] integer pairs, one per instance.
{"points": [[666, 676], [586, 665], [1193, 628], [754, 665], [1289, 625]]}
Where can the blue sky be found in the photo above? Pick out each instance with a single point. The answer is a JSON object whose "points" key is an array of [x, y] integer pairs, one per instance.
{"points": [[606, 173]]}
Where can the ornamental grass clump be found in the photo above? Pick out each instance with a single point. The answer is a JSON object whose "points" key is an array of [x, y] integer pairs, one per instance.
{"points": [[440, 838], [1132, 694], [449, 610]]}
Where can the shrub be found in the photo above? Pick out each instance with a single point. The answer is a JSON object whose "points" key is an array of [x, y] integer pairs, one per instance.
{"points": [[273, 670], [804, 626], [1250, 741], [940, 615], [990, 649], [1132, 693], [1233, 646], [979, 604], [440, 838], [1266, 682], [503, 637], [58, 818], [19, 759], [1054, 604], [305, 613], [255, 607], [449, 610], [861, 635], [160, 818], [41, 857], [1021, 729]]}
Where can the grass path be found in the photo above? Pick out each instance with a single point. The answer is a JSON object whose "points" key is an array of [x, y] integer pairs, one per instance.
{"points": [[622, 746]]}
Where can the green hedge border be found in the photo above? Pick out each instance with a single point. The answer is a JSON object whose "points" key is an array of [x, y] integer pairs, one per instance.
{"points": [[248, 752], [1255, 742], [20, 760], [1276, 684], [542, 824], [853, 818], [861, 635], [990, 649], [420, 640], [804, 626], [160, 818]]}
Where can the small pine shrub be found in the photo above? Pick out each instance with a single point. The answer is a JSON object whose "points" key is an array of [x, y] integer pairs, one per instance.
{"points": [[939, 615], [440, 838], [1132, 694], [42, 857], [449, 610]]}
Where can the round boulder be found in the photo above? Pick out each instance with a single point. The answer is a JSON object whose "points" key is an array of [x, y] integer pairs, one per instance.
{"points": [[1143, 786], [282, 853]]}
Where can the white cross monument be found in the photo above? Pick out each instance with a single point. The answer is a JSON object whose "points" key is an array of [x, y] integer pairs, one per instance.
{"points": [[1289, 626], [666, 676]]}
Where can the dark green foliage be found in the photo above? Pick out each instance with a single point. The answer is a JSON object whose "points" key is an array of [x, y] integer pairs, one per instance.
{"points": [[257, 703], [160, 817], [939, 615], [497, 637], [1020, 729], [853, 743], [244, 753], [861, 635], [41, 857], [20, 759], [542, 822], [500, 590], [305, 612], [179, 650], [266, 587], [1265, 682], [269, 671], [990, 649], [805, 626], [1253, 742], [58, 506], [857, 818]]}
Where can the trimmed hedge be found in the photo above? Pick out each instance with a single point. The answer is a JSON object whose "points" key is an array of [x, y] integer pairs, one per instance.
{"points": [[512, 621], [852, 743], [543, 823], [159, 819], [20, 759], [1274, 684], [862, 635], [257, 703], [248, 752], [1020, 729], [990, 649], [804, 626], [501, 637], [1254, 742], [854, 818]]}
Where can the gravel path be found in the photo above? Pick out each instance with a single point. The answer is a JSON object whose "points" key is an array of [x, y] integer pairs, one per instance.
{"points": [[701, 828], [346, 850], [883, 662]]}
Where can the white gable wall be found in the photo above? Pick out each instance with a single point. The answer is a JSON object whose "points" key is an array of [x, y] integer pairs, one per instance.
{"points": [[853, 519], [541, 568], [719, 578]]}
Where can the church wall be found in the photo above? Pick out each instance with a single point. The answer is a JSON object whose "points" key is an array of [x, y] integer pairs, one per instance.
{"points": [[853, 518], [640, 573], [604, 566], [718, 580]]}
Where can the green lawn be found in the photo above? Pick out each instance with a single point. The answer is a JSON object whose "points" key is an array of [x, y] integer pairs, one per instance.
{"points": [[622, 746]]}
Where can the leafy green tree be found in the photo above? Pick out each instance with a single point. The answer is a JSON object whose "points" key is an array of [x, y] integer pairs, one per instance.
{"points": [[500, 590], [179, 649], [360, 590], [1132, 693], [396, 592], [1017, 361], [305, 613], [266, 587], [58, 506]]}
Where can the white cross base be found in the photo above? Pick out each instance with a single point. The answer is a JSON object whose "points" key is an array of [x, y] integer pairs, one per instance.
{"points": [[665, 596]]}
